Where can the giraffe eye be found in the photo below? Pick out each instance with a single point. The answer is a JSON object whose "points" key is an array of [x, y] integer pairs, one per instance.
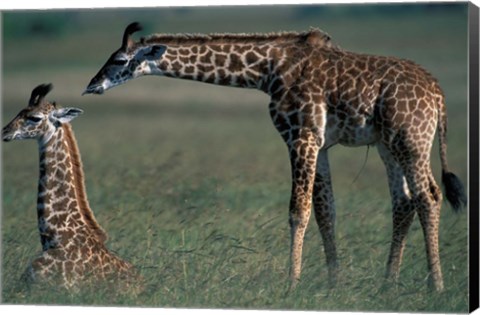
{"points": [[119, 62], [33, 119]]}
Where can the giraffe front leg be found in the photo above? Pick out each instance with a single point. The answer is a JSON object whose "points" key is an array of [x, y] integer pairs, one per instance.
{"points": [[303, 155], [324, 205]]}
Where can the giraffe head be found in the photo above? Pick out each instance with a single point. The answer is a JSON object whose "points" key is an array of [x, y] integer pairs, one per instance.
{"points": [[130, 61], [40, 119]]}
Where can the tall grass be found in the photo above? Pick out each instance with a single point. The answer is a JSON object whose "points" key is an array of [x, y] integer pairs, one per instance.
{"points": [[192, 183]]}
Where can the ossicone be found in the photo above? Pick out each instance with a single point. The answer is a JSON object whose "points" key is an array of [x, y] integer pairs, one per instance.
{"points": [[38, 94], [131, 28]]}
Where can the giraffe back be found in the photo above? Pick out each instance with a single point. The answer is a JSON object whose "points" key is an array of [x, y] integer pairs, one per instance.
{"points": [[78, 176]]}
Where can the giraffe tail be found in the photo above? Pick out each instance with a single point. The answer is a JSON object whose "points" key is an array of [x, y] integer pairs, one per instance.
{"points": [[453, 187]]}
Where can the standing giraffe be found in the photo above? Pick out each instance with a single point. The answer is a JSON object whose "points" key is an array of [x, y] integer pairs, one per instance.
{"points": [[73, 246], [321, 95]]}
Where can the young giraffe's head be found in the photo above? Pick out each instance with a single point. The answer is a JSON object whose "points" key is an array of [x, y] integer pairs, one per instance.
{"points": [[128, 62], [40, 119]]}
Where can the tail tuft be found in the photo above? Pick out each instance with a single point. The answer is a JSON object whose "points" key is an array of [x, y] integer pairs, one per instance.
{"points": [[454, 191]]}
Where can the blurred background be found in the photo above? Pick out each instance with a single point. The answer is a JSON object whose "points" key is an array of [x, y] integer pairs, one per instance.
{"points": [[192, 181]]}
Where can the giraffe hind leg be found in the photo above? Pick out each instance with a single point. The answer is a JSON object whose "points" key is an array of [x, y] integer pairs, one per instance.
{"points": [[403, 212], [435, 191], [426, 201]]}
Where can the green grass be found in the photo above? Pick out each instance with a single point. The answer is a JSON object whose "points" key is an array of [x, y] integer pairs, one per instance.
{"points": [[191, 181]]}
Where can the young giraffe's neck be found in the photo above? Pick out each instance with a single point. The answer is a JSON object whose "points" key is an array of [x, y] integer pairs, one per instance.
{"points": [[248, 61], [62, 205]]}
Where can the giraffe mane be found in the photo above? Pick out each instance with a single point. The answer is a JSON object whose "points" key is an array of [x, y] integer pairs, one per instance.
{"points": [[313, 36], [78, 178]]}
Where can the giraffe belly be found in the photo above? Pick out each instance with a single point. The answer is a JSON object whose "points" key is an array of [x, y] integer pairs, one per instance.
{"points": [[351, 132], [359, 137]]}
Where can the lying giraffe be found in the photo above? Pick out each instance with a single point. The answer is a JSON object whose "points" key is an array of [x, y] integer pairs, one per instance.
{"points": [[321, 95], [73, 246]]}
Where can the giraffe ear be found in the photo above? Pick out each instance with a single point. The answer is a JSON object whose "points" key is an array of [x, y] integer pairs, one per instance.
{"points": [[64, 115], [151, 52], [127, 40], [38, 94]]}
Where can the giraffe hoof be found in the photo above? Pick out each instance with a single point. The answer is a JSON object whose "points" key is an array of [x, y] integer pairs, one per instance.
{"points": [[435, 286], [292, 286]]}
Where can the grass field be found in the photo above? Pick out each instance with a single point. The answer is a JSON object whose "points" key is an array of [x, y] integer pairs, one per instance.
{"points": [[191, 181]]}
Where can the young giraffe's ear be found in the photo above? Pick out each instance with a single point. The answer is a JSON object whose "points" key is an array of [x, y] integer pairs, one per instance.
{"points": [[150, 52], [64, 115], [38, 94]]}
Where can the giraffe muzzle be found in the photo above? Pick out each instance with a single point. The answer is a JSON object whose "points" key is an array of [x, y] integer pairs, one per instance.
{"points": [[6, 135], [95, 89]]}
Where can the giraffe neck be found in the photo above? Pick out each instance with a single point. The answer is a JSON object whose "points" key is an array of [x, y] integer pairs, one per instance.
{"points": [[62, 205], [245, 66]]}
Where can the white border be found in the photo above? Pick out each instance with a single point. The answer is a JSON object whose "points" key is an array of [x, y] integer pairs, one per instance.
{"points": [[78, 4], [81, 4]]}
